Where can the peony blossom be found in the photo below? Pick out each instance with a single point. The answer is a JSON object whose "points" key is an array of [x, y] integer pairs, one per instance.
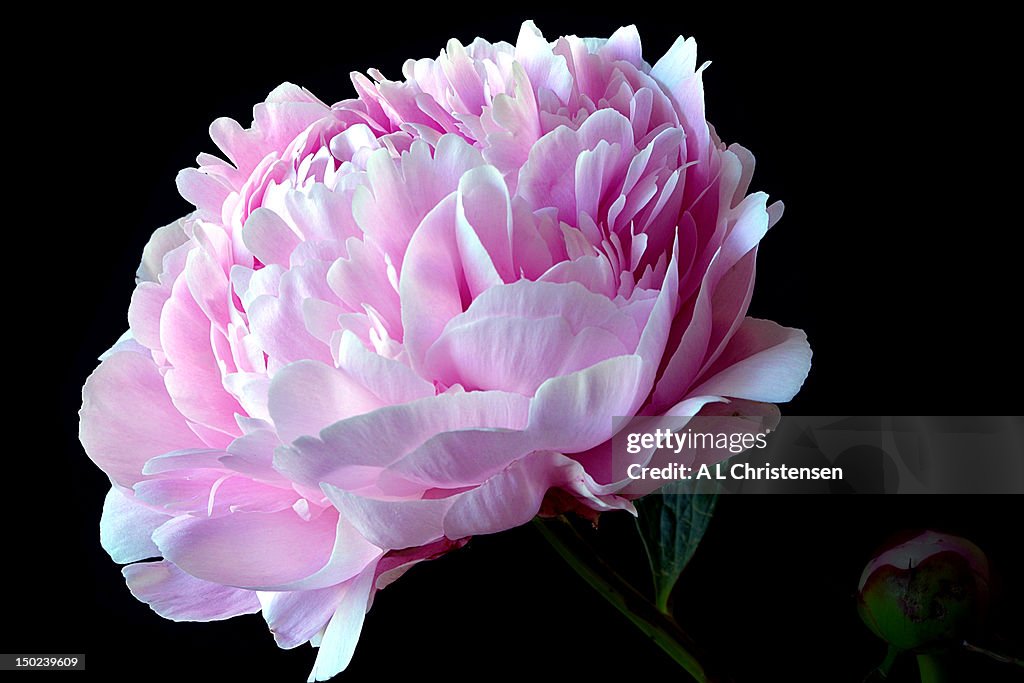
{"points": [[406, 319]]}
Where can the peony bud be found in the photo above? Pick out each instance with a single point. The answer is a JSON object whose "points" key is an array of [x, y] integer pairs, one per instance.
{"points": [[925, 592]]}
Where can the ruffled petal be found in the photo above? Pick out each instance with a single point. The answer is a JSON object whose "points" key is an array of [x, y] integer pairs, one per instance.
{"points": [[126, 528], [266, 551], [763, 362], [294, 617], [574, 412], [514, 497], [391, 524], [175, 595], [431, 283], [375, 440], [339, 640], [127, 417], [162, 241], [307, 396]]}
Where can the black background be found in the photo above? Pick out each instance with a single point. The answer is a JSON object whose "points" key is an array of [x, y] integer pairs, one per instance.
{"points": [[893, 255]]}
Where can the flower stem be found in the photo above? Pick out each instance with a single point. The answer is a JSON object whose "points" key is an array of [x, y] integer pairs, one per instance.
{"points": [[882, 672], [659, 627], [932, 669]]}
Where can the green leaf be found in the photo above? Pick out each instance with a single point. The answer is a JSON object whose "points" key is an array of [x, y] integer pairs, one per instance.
{"points": [[671, 524], [661, 628]]}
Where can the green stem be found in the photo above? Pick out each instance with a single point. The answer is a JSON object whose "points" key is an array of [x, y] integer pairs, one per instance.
{"points": [[890, 659], [933, 669], [659, 627]]}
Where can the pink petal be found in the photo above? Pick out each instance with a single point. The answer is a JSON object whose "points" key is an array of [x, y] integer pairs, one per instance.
{"points": [[463, 78], [715, 314], [127, 417], [382, 437], [763, 362], [391, 524], [484, 227], [278, 323], [532, 254], [579, 307], [294, 617], [362, 279], [655, 336], [213, 493], [729, 305], [684, 363], [209, 287], [430, 282], [194, 381], [391, 381], [206, 192], [677, 72], [162, 241], [288, 110], [549, 177], [126, 528], [624, 45], [513, 125], [517, 354], [462, 458], [307, 396], [352, 140], [573, 413], [339, 640], [147, 303], [266, 551], [253, 455], [514, 497], [322, 214], [269, 238], [593, 272], [544, 68], [175, 595], [398, 198]]}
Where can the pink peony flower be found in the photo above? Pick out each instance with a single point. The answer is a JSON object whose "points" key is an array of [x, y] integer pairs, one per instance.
{"points": [[408, 318]]}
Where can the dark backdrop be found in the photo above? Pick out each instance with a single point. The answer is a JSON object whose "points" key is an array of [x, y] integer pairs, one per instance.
{"points": [[892, 256]]}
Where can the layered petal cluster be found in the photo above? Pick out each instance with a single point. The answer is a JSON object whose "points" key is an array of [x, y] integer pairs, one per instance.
{"points": [[408, 318]]}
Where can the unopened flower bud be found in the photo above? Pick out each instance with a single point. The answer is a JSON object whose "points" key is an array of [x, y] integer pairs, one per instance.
{"points": [[925, 592]]}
